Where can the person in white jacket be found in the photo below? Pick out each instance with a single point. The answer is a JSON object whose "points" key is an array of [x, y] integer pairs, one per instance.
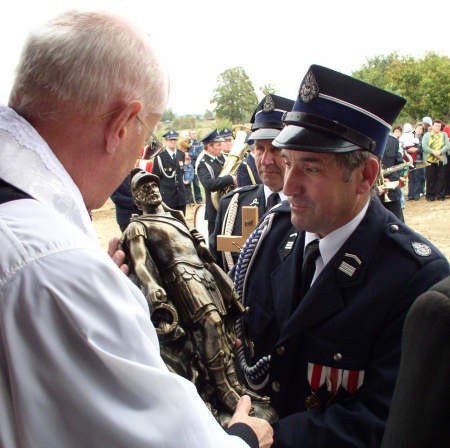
{"points": [[79, 357]]}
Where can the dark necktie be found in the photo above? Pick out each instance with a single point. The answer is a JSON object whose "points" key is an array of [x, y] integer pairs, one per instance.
{"points": [[309, 266], [273, 199]]}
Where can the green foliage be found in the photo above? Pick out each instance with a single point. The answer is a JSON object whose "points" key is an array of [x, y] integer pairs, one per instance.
{"points": [[167, 115], [425, 83], [185, 122], [208, 115], [268, 89], [224, 123], [234, 97]]}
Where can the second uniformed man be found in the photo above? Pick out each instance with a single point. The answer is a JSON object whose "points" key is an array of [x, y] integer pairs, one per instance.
{"points": [[169, 167]]}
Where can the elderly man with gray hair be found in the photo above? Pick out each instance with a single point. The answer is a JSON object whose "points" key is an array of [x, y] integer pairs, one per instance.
{"points": [[80, 363]]}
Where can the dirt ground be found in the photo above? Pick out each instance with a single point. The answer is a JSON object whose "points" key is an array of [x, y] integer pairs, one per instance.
{"points": [[431, 219]]}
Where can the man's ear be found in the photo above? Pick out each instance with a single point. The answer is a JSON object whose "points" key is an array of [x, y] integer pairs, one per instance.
{"points": [[369, 173], [117, 126]]}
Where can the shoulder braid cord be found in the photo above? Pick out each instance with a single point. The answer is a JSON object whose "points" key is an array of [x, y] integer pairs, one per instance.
{"points": [[256, 375], [169, 176], [227, 229], [250, 173]]}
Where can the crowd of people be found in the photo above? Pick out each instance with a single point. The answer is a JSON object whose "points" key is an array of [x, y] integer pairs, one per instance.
{"points": [[422, 152], [324, 283]]}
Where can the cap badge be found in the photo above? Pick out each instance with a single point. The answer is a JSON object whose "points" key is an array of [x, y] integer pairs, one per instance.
{"points": [[269, 104], [309, 88], [421, 249]]}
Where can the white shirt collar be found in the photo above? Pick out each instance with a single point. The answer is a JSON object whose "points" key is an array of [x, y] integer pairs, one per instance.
{"points": [[268, 192], [331, 243]]}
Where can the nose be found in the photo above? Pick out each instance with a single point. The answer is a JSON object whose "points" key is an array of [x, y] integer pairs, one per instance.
{"points": [[267, 157], [291, 182]]}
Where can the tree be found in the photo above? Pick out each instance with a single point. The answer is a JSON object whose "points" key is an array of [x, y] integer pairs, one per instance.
{"points": [[425, 83], [167, 115], [235, 96], [268, 89]]}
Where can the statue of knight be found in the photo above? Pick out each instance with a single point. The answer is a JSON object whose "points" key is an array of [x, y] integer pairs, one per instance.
{"points": [[192, 302]]}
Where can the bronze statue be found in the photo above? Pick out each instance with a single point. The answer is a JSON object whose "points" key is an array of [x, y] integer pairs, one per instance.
{"points": [[192, 302]]}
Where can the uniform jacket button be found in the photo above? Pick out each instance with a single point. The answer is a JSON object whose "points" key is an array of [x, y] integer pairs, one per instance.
{"points": [[276, 386], [337, 356], [393, 228], [281, 350]]}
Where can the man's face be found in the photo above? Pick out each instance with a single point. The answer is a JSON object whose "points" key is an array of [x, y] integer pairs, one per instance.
{"points": [[171, 144], [193, 135], [227, 145], [270, 164], [321, 195], [215, 148]]}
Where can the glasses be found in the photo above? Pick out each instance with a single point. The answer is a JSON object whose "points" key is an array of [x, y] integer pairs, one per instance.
{"points": [[151, 136], [146, 126]]}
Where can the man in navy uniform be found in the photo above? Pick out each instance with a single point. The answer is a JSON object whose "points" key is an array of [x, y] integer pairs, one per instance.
{"points": [[195, 150], [247, 174], [228, 140], [208, 170], [327, 304], [169, 167], [266, 125], [391, 197]]}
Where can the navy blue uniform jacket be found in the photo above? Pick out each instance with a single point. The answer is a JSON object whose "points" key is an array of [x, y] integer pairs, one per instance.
{"points": [[248, 195], [351, 320], [170, 173], [208, 171]]}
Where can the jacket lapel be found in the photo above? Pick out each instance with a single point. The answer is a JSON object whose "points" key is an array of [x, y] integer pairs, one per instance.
{"points": [[346, 269]]}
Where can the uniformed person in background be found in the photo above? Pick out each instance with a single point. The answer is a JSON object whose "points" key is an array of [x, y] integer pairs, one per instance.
{"points": [[169, 167], [329, 348], [266, 125], [228, 140], [247, 174], [208, 170], [389, 191]]}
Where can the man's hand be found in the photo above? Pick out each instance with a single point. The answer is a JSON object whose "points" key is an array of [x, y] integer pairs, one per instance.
{"points": [[261, 427], [117, 255]]}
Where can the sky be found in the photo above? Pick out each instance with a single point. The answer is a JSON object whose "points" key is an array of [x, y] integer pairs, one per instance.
{"points": [[274, 41]]}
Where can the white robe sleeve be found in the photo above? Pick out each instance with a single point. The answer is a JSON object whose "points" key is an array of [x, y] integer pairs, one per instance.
{"points": [[83, 367]]}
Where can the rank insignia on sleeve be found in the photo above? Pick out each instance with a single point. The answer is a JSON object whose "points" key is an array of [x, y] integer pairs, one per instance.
{"points": [[421, 249]]}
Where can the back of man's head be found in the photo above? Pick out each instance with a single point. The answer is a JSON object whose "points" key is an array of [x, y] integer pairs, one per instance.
{"points": [[87, 61]]}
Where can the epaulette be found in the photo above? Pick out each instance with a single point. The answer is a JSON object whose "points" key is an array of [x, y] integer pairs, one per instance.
{"points": [[412, 243], [241, 190]]}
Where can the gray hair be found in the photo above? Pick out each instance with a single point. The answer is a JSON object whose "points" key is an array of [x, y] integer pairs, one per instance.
{"points": [[87, 60], [349, 161]]}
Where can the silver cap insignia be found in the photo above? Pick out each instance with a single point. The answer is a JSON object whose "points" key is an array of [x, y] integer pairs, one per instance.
{"points": [[309, 88]]}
